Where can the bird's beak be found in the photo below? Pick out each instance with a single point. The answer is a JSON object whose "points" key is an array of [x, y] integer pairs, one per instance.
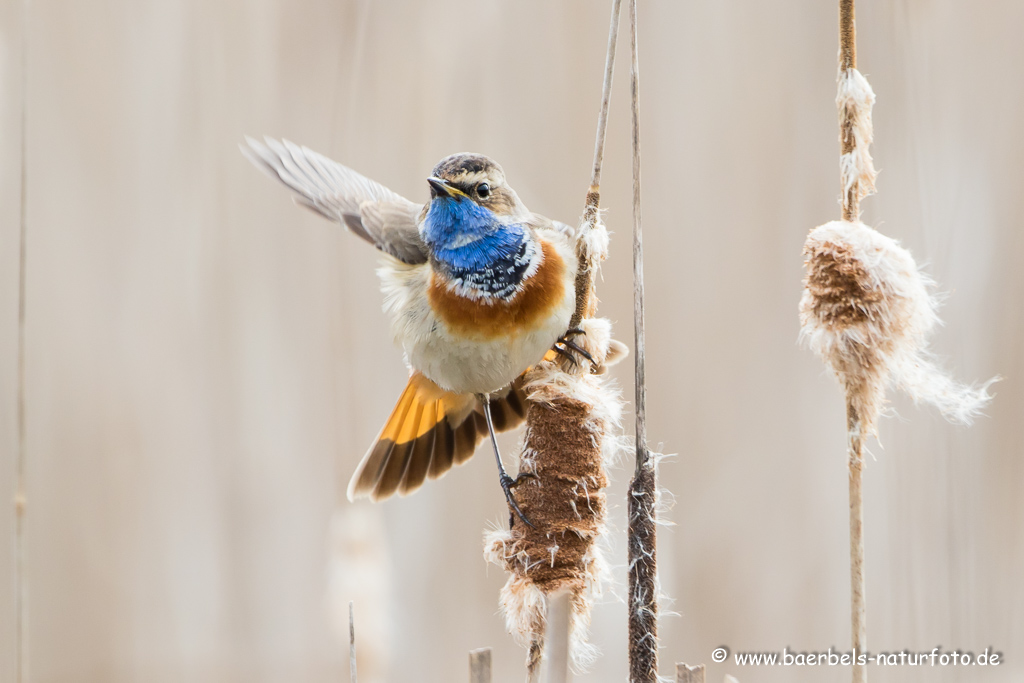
{"points": [[441, 188]]}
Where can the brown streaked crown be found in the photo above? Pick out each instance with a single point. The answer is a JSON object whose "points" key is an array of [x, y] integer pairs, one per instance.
{"points": [[467, 171], [458, 165]]}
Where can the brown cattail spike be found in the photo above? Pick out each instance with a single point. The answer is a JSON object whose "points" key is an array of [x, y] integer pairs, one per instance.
{"points": [[572, 426]]}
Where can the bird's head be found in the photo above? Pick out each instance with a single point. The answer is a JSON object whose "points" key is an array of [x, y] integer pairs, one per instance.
{"points": [[469, 198], [478, 179]]}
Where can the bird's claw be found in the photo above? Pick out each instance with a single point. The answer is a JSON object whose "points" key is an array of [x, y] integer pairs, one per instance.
{"points": [[524, 475], [570, 344], [565, 354], [513, 482], [507, 484]]}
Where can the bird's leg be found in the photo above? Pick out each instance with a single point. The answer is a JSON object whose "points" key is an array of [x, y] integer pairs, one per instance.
{"points": [[507, 482]]}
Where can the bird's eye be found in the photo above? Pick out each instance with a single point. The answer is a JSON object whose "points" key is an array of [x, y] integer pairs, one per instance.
{"points": [[483, 190]]}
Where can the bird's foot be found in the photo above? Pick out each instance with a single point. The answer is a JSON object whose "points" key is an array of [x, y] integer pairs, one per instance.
{"points": [[523, 475], [507, 484], [568, 346]]}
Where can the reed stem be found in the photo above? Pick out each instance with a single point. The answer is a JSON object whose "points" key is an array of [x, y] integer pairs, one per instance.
{"points": [[21, 468], [642, 542], [855, 436], [585, 267], [848, 60], [352, 643], [858, 606]]}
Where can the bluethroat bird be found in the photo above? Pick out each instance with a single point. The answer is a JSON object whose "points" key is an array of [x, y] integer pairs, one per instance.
{"points": [[478, 289]]}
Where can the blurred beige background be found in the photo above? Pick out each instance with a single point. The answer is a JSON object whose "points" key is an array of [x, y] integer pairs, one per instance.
{"points": [[206, 362]]}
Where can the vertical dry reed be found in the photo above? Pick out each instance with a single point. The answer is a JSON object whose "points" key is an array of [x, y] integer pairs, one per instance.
{"points": [[352, 675], [642, 498], [480, 665], [586, 300], [689, 674], [20, 496], [852, 190]]}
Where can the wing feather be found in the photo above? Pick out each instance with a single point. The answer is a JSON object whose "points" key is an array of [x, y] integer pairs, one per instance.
{"points": [[382, 217]]}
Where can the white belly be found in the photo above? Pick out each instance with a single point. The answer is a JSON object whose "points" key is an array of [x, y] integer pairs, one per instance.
{"points": [[450, 359], [482, 367]]}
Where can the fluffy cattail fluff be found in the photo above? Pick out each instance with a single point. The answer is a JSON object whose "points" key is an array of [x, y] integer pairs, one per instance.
{"points": [[866, 309], [855, 98], [571, 435], [867, 312]]}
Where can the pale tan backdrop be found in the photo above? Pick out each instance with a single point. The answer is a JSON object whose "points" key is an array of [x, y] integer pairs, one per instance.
{"points": [[206, 362]]}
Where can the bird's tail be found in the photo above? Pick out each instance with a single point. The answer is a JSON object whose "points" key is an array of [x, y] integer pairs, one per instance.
{"points": [[429, 432]]}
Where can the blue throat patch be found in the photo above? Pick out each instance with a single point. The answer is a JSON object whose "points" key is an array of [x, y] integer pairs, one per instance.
{"points": [[468, 243]]}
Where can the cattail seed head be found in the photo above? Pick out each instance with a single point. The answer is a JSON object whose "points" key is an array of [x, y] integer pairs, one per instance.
{"points": [[571, 435], [867, 312]]}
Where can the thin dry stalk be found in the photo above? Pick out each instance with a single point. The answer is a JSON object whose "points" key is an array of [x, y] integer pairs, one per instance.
{"points": [[557, 637], [858, 602], [847, 37], [642, 455], [643, 489], [480, 665], [855, 100], [534, 656], [352, 643], [20, 500], [586, 301], [534, 662], [851, 212], [689, 674]]}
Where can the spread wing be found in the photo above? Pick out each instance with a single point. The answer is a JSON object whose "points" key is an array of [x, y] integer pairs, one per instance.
{"points": [[382, 217]]}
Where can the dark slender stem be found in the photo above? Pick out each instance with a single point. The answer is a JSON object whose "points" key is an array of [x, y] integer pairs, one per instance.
{"points": [[642, 543]]}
